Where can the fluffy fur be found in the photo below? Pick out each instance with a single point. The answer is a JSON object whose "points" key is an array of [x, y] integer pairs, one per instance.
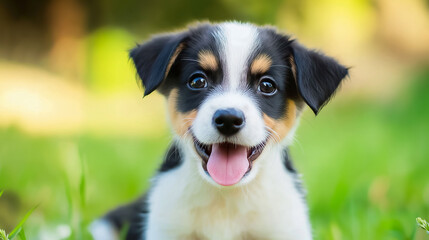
{"points": [[267, 78]]}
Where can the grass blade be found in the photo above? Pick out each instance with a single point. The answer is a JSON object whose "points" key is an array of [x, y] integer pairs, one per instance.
{"points": [[3, 235], [1, 192], [22, 235], [423, 224], [16, 231], [82, 185], [18, 228]]}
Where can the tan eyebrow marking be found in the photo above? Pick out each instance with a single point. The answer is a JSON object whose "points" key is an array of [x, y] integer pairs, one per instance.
{"points": [[260, 64], [207, 60]]}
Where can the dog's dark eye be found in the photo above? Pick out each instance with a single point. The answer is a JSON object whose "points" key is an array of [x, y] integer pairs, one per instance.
{"points": [[197, 81], [267, 86]]}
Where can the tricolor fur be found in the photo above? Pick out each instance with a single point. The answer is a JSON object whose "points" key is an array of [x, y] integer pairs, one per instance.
{"points": [[231, 89]]}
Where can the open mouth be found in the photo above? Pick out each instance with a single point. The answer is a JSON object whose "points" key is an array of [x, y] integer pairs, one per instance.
{"points": [[225, 162]]}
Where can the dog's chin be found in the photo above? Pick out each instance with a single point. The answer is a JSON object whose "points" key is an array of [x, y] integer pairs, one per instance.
{"points": [[226, 163]]}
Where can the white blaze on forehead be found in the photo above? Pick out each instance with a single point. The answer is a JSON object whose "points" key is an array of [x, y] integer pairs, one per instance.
{"points": [[238, 41]]}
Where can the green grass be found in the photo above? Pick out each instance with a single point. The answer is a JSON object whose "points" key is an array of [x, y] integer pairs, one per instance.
{"points": [[365, 165], [48, 170], [423, 224], [19, 229], [3, 235]]}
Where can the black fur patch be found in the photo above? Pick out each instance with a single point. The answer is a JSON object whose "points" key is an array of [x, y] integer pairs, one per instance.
{"points": [[152, 59], [288, 162], [172, 159], [276, 47], [132, 216], [201, 39], [290, 168], [318, 76]]}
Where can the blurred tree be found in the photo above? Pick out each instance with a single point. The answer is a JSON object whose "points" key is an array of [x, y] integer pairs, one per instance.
{"points": [[23, 29], [54, 29], [67, 28]]}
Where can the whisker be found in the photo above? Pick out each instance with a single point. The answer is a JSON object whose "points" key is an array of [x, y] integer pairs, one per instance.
{"points": [[271, 133], [285, 66], [188, 120], [188, 131], [189, 59]]}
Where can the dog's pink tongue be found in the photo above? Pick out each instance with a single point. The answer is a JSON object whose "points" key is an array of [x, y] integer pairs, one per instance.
{"points": [[227, 163]]}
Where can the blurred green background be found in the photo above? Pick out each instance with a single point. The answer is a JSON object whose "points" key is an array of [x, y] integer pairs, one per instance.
{"points": [[77, 138]]}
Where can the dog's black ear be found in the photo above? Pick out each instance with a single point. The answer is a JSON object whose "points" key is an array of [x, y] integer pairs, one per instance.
{"points": [[154, 59], [317, 76]]}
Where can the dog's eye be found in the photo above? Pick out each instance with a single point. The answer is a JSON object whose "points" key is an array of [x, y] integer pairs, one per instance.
{"points": [[197, 81], [267, 86]]}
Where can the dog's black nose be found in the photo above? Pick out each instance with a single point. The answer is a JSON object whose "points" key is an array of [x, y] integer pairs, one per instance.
{"points": [[228, 121]]}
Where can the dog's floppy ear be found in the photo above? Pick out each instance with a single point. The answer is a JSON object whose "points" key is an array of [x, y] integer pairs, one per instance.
{"points": [[153, 59], [317, 76]]}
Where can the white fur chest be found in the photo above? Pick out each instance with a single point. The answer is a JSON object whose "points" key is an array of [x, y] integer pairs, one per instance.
{"points": [[183, 206]]}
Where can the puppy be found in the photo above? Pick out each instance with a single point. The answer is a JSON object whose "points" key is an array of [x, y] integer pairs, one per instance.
{"points": [[234, 93]]}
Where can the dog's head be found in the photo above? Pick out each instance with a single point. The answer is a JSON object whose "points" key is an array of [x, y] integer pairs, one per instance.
{"points": [[233, 91]]}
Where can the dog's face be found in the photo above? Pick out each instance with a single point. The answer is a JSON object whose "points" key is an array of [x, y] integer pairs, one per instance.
{"points": [[234, 91]]}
